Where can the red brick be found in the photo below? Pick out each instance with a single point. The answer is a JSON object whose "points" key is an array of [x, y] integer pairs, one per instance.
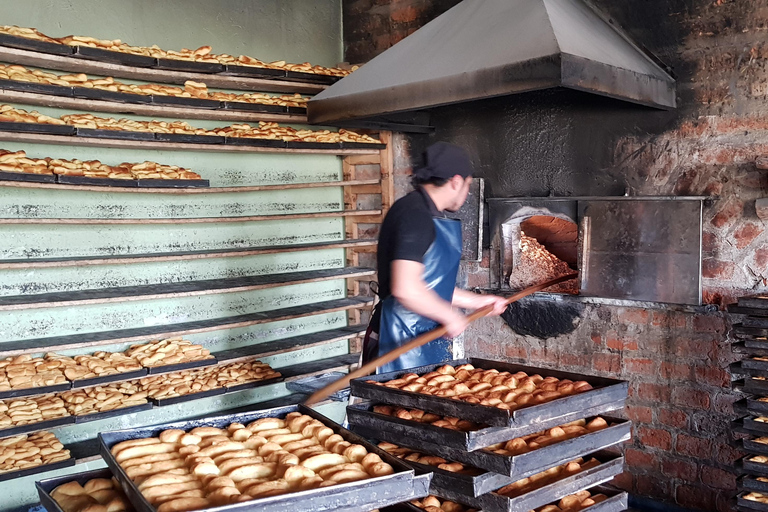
{"points": [[607, 363], [634, 316], [640, 414], [515, 351], [654, 437], [653, 392], [488, 347], [761, 258], [708, 242], [674, 371], [624, 481], [746, 234], [708, 323], [637, 366], [717, 269], [673, 418], [648, 485], [723, 403], [726, 454], [669, 319], [597, 338], [690, 397], [404, 14], [699, 498], [612, 341], [728, 213], [681, 469], [712, 375], [693, 446], [717, 478], [568, 359], [640, 459]]}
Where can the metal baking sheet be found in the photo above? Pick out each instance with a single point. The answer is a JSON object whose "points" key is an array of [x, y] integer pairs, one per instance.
{"points": [[758, 344], [517, 466], [4, 477], [173, 183], [25, 176], [168, 368], [753, 468], [758, 427], [362, 495], [253, 71], [297, 144], [754, 447], [753, 484], [740, 310], [95, 182], [85, 418], [126, 59], [610, 467], [117, 377], [757, 386], [749, 504], [754, 364], [756, 406], [46, 487], [26, 43], [48, 129], [189, 138], [362, 145], [161, 402], [255, 107], [115, 134], [100, 94], [313, 78], [19, 393], [747, 331], [362, 415], [606, 391], [177, 101], [51, 89], [36, 427], [754, 302], [190, 66], [253, 384], [297, 110], [252, 141]]}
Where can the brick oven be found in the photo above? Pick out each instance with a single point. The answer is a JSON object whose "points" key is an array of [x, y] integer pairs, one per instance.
{"points": [[566, 143]]}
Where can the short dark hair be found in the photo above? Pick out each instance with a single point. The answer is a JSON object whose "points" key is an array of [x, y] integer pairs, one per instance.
{"points": [[418, 182]]}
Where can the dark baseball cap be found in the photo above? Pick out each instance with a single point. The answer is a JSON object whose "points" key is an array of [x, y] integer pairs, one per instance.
{"points": [[444, 160]]}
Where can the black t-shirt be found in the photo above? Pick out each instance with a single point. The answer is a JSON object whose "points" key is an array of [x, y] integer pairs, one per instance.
{"points": [[406, 234]]}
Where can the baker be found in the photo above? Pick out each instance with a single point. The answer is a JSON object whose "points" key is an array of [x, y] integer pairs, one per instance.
{"points": [[418, 261]]}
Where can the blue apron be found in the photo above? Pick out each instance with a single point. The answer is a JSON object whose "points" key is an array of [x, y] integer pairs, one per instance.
{"points": [[399, 325]]}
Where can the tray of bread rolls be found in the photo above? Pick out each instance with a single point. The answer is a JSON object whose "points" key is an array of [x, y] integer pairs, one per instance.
{"points": [[432, 503], [126, 59], [754, 465], [757, 445], [25, 455], [83, 491], [102, 95], [490, 392], [287, 459], [752, 500], [48, 129], [38, 88], [37, 45], [759, 484], [597, 499], [254, 72], [452, 431], [755, 384], [24, 176], [524, 456]]}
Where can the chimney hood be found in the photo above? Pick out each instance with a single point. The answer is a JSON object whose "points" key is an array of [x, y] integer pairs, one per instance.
{"points": [[487, 48]]}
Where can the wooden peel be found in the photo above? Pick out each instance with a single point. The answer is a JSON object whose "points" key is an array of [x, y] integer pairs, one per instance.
{"points": [[418, 341]]}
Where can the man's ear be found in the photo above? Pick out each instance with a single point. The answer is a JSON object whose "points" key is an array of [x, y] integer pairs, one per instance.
{"points": [[457, 182]]}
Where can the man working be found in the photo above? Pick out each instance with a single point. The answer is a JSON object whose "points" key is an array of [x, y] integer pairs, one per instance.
{"points": [[418, 261]]}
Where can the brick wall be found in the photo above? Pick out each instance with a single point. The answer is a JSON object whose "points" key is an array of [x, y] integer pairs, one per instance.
{"points": [[675, 361]]}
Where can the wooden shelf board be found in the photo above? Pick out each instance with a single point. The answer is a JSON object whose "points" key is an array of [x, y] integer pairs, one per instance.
{"points": [[362, 184], [63, 63], [140, 109], [123, 294], [96, 339], [200, 220], [71, 140], [358, 245], [300, 371]]}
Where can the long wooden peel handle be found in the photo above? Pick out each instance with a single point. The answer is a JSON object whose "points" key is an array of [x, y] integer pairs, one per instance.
{"points": [[418, 341]]}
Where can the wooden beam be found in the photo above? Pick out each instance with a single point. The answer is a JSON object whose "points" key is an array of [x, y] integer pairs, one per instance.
{"points": [[387, 173], [364, 160]]}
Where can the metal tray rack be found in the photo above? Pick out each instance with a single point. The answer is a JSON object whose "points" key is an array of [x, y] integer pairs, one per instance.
{"points": [[752, 484], [368, 494], [742, 504], [362, 415], [45, 487], [752, 468], [606, 391], [517, 466]]}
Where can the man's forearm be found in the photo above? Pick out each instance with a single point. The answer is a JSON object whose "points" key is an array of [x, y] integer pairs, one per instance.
{"points": [[427, 303]]}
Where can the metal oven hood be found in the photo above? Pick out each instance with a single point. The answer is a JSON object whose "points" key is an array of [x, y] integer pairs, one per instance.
{"points": [[486, 48]]}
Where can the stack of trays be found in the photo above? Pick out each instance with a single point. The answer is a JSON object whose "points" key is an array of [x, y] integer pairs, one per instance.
{"points": [[751, 376], [485, 471]]}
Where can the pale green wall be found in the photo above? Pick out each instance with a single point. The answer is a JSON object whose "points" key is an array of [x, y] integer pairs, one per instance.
{"points": [[294, 30]]}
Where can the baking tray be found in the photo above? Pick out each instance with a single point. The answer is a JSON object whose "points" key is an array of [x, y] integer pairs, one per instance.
{"points": [[749, 504], [752, 321], [518, 466], [189, 65], [26, 43], [752, 468], [297, 144], [46, 487], [20, 393], [252, 141], [107, 379], [51, 89], [126, 59], [759, 428], [607, 391], [154, 370], [173, 183], [362, 415], [115, 134], [23, 176], [747, 482], [254, 71], [36, 427], [741, 330], [189, 138], [253, 384], [95, 182], [754, 406], [100, 94], [4, 477], [85, 418], [161, 402], [754, 447], [363, 145], [754, 302], [48, 129], [313, 78], [757, 386], [757, 344], [753, 364], [741, 310], [363, 495], [177, 101], [254, 107]]}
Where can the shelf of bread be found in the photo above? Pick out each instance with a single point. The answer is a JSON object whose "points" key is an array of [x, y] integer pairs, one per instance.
{"points": [[83, 492], [25, 455]]}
